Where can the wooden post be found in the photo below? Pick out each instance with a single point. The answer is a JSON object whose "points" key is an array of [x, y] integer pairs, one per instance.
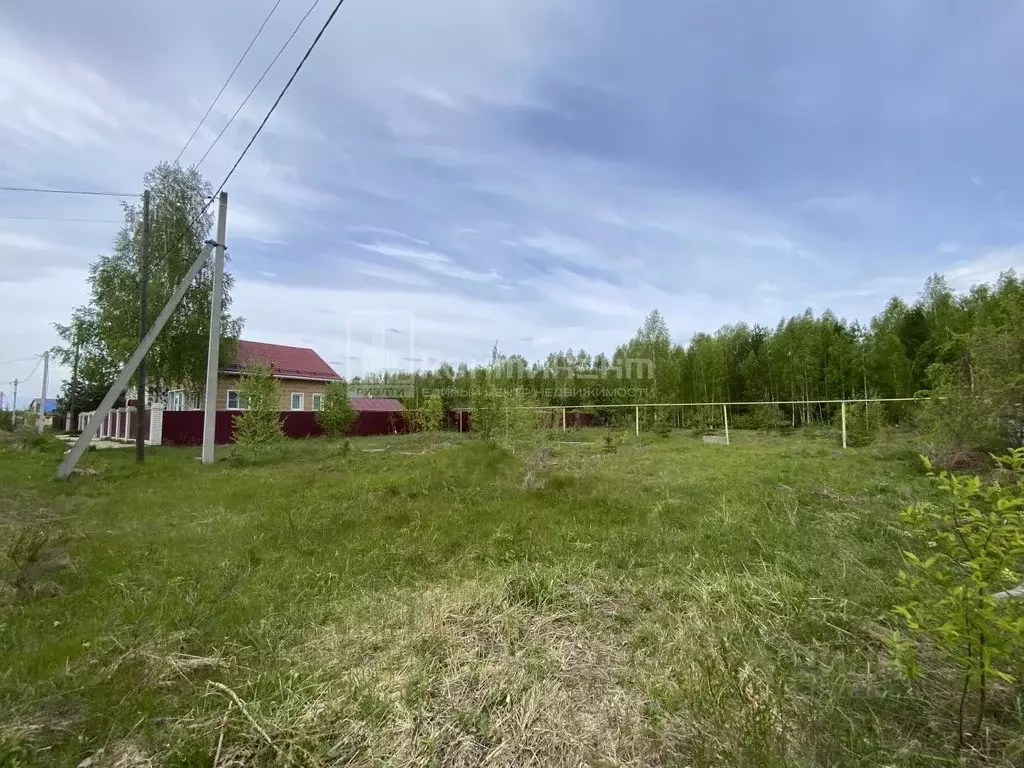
{"points": [[725, 416], [563, 419], [638, 421], [843, 408]]}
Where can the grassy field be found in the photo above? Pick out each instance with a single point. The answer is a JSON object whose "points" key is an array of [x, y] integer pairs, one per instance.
{"points": [[418, 600]]}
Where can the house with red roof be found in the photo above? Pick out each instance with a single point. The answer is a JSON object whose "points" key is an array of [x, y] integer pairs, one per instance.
{"points": [[301, 373]]}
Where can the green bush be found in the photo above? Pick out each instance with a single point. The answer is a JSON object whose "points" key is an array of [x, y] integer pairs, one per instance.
{"points": [[505, 415], [337, 413], [432, 416], [969, 550], [258, 427], [864, 423], [955, 419]]}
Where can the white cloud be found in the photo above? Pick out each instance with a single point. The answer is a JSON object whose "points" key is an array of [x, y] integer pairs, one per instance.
{"points": [[964, 275], [430, 261]]}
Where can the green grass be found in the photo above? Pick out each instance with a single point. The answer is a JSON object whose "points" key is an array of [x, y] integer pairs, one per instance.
{"points": [[413, 602]]}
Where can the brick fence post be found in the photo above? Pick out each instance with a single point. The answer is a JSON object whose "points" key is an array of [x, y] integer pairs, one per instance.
{"points": [[156, 424]]}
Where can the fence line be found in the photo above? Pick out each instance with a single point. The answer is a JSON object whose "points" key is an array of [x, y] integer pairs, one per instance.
{"points": [[727, 403], [725, 408]]}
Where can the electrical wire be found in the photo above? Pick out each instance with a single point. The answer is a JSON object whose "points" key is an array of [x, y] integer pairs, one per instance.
{"points": [[223, 87], [22, 381], [52, 218], [257, 85], [68, 192], [266, 118], [280, 96], [19, 360]]}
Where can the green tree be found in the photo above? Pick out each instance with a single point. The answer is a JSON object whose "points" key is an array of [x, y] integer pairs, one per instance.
{"points": [[518, 422], [95, 369], [337, 414], [180, 225], [258, 426], [968, 554], [433, 416]]}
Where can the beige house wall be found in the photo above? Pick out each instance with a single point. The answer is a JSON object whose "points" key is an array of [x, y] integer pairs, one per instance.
{"points": [[226, 382]]}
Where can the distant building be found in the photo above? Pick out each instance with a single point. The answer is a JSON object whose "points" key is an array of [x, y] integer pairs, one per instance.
{"points": [[301, 373], [49, 406]]}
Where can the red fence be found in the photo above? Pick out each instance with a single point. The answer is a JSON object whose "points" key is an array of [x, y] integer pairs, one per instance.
{"points": [[186, 427]]}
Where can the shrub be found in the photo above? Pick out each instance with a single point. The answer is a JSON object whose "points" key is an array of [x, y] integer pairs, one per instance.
{"points": [[504, 415], [956, 420], [863, 423], [337, 414], [662, 424], [257, 427], [767, 418], [969, 551], [432, 415]]}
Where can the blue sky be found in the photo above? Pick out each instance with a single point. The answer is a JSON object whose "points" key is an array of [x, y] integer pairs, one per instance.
{"points": [[541, 172]]}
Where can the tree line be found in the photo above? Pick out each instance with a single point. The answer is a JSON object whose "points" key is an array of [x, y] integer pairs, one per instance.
{"points": [[944, 343]]}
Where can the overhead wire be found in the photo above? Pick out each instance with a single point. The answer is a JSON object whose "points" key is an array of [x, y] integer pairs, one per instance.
{"points": [[280, 96], [273, 107], [258, 82], [59, 218], [40, 360], [49, 191], [226, 82]]}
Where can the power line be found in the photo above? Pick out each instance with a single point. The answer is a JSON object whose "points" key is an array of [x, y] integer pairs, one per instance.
{"points": [[19, 360], [223, 87], [280, 96], [68, 192], [253, 89], [270, 111], [22, 381], [57, 218]]}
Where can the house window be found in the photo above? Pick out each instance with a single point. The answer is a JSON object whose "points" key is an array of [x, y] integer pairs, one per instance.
{"points": [[236, 401], [318, 402], [176, 400], [298, 401]]}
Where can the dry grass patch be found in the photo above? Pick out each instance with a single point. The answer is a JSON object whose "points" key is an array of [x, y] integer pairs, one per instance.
{"points": [[502, 673]]}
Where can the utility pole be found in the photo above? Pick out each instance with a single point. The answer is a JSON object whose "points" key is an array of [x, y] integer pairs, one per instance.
{"points": [[41, 421], [140, 397], [14, 405], [213, 350], [72, 425]]}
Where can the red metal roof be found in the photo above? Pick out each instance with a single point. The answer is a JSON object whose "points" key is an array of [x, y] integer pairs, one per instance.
{"points": [[286, 361], [375, 404]]}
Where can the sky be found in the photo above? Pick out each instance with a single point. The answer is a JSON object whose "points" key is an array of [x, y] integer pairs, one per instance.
{"points": [[541, 173]]}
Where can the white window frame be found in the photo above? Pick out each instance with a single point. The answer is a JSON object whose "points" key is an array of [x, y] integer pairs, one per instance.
{"points": [[302, 401], [318, 401], [238, 398], [176, 400]]}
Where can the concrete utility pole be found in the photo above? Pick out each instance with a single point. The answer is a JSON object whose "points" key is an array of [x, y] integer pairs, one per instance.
{"points": [[213, 350], [41, 421], [14, 405], [140, 398]]}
